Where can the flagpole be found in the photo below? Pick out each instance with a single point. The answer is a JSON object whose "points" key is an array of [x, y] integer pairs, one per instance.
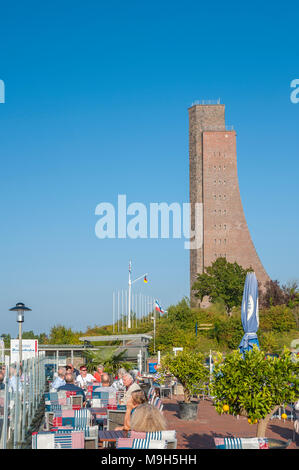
{"points": [[129, 300], [113, 313], [129, 292], [118, 311]]}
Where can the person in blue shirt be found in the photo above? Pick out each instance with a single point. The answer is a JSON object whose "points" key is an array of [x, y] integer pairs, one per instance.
{"points": [[2, 385], [59, 381], [71, 387]]}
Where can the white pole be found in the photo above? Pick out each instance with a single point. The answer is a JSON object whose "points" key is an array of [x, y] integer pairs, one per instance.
{"points": [[122, 308], [129, 299], [140, 316], [118, 311], [113, 311]]}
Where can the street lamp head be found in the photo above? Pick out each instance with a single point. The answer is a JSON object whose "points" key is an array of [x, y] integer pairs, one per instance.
{"points": [[20, 308]]}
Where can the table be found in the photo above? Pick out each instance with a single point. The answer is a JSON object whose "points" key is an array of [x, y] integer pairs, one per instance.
{"points": [[110, 436]]}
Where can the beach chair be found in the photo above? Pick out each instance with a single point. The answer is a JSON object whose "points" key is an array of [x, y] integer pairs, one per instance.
{"points": [[130, 443], [157, 403], [73, 418], [168, 436], [91, 434], [58, 440], [152, 394], [249, 443]]}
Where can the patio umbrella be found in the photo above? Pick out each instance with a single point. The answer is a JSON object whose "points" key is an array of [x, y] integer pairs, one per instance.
{"points": [[250, 313]]}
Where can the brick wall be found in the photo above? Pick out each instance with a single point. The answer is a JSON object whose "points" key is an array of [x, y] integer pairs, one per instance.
{"points": [[214, 182]]}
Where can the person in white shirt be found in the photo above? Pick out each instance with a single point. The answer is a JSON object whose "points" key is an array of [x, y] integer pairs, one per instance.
{"points": [[84, 379]]}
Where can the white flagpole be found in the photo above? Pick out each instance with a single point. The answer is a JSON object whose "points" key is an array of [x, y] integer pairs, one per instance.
{"points": [[129, 294], [117, 311], [113, 312]]}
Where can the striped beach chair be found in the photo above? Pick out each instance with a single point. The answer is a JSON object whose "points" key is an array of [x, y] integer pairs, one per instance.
{"points": [[73, 418], [130, 443], [157, 403], [91, 434], [169, 436], [249, 443]]}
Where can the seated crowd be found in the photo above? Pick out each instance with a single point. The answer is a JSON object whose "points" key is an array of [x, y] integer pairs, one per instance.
{"points": [[140, 415]]}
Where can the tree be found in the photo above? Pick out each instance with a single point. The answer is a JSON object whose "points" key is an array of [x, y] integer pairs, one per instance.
{"points": [[222, 280], [291, 291], [188, 367], [255, 386], [272, 294], [109, 357], [61, 335], [6, 338]]}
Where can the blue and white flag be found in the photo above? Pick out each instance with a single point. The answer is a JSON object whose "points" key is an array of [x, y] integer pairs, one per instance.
{"points": [[159, 308], [250, 313]]}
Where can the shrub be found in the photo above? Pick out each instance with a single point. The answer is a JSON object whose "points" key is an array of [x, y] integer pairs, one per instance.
{"points": [[277, 318], [188, 367]]}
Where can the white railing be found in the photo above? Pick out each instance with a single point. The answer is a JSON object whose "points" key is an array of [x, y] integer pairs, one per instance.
{"points": [[20, 399]]}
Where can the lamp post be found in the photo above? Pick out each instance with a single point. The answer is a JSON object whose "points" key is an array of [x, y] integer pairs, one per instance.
{"points": [[20, 308], [129, 292]]}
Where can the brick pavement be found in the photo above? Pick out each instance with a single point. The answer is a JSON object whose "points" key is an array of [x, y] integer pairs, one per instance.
{"points": [[199, 434]]}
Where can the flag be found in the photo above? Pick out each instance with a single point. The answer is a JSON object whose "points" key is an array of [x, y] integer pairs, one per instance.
{"points": [[145, 279], [159, 308]]}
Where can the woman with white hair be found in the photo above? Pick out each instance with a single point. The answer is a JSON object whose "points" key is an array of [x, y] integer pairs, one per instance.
{"points": [[119, 384], [130, 385]]}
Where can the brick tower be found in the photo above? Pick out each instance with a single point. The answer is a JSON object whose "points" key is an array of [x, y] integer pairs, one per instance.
{"points": [[214, 183]]}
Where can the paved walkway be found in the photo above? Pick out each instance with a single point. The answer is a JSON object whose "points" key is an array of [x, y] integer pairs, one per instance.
{"points": [[199, 434]]}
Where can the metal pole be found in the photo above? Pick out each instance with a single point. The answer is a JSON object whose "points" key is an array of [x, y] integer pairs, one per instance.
{"points": [[155, 331], [129, 294], [140, 316], [113, 312], [117, 311], [122, 309], [126, 308], [24, 401], [20, 342]]}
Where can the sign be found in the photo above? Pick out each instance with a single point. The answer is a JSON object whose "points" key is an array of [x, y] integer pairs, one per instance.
{"points": [[29, 349]]}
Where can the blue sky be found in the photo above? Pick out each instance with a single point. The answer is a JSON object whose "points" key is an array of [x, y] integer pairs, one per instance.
{"points": [[96, 105]]}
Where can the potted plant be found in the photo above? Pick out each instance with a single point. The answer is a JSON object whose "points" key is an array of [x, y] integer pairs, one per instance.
{"points": [[189, 369], [255, 386]]}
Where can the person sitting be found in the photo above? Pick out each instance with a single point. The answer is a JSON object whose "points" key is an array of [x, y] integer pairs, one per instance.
{"points": [[70, 368], [84, 379], [119, 384], [147, 418], [59, 381], [98, 373], [2, 384], [130, 385], [12, 383], [158, 375], [136, 399], [71, 387], [105, 385]]}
